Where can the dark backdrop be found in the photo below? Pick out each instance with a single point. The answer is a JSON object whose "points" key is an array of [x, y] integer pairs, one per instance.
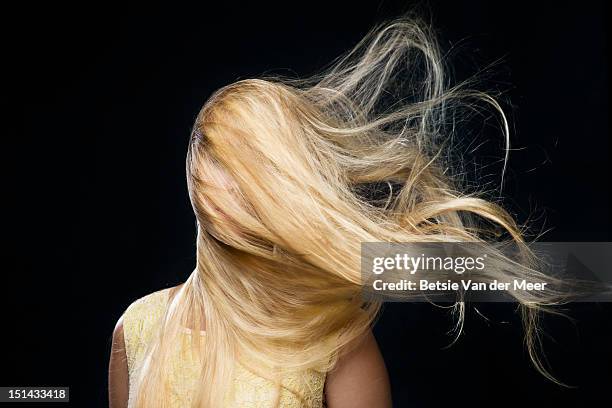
{"points": [[99, 100]]}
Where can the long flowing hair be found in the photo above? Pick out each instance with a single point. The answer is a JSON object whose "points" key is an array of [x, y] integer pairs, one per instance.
{"points": [[276, 169]]}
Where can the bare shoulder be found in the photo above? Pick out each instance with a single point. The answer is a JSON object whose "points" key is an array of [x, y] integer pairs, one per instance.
{"points": [[360, 378], [118, 332], [118, 371]]}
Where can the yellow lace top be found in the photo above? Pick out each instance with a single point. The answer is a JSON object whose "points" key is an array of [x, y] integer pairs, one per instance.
{"points": [[249, 390]]}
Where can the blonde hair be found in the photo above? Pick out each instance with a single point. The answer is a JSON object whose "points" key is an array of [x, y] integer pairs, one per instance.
{"points": [[274, 167]]}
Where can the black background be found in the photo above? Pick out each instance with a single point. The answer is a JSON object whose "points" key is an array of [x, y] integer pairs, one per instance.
{"points": [[99, 100]]}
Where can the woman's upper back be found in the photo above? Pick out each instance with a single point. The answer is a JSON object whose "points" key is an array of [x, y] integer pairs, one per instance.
{"points": [[142, 319]]}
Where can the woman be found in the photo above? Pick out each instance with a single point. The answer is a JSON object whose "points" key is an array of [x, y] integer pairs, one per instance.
{"points": [[285, 180]]}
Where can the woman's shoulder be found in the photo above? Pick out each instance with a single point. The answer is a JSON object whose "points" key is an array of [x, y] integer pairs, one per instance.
{"points": [[147, 304], [140, 318], [145, 310]]}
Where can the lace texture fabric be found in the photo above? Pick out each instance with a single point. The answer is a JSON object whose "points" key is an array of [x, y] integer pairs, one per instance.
{"points": [[248, 390]]}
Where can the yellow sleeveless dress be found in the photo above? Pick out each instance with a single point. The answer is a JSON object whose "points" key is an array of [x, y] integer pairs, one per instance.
{"points": [[249, 390]]}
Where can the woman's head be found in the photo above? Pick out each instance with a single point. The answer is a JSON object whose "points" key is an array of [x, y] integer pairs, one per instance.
{"points": [[277, 170], [251, 137], [278, 221]]}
